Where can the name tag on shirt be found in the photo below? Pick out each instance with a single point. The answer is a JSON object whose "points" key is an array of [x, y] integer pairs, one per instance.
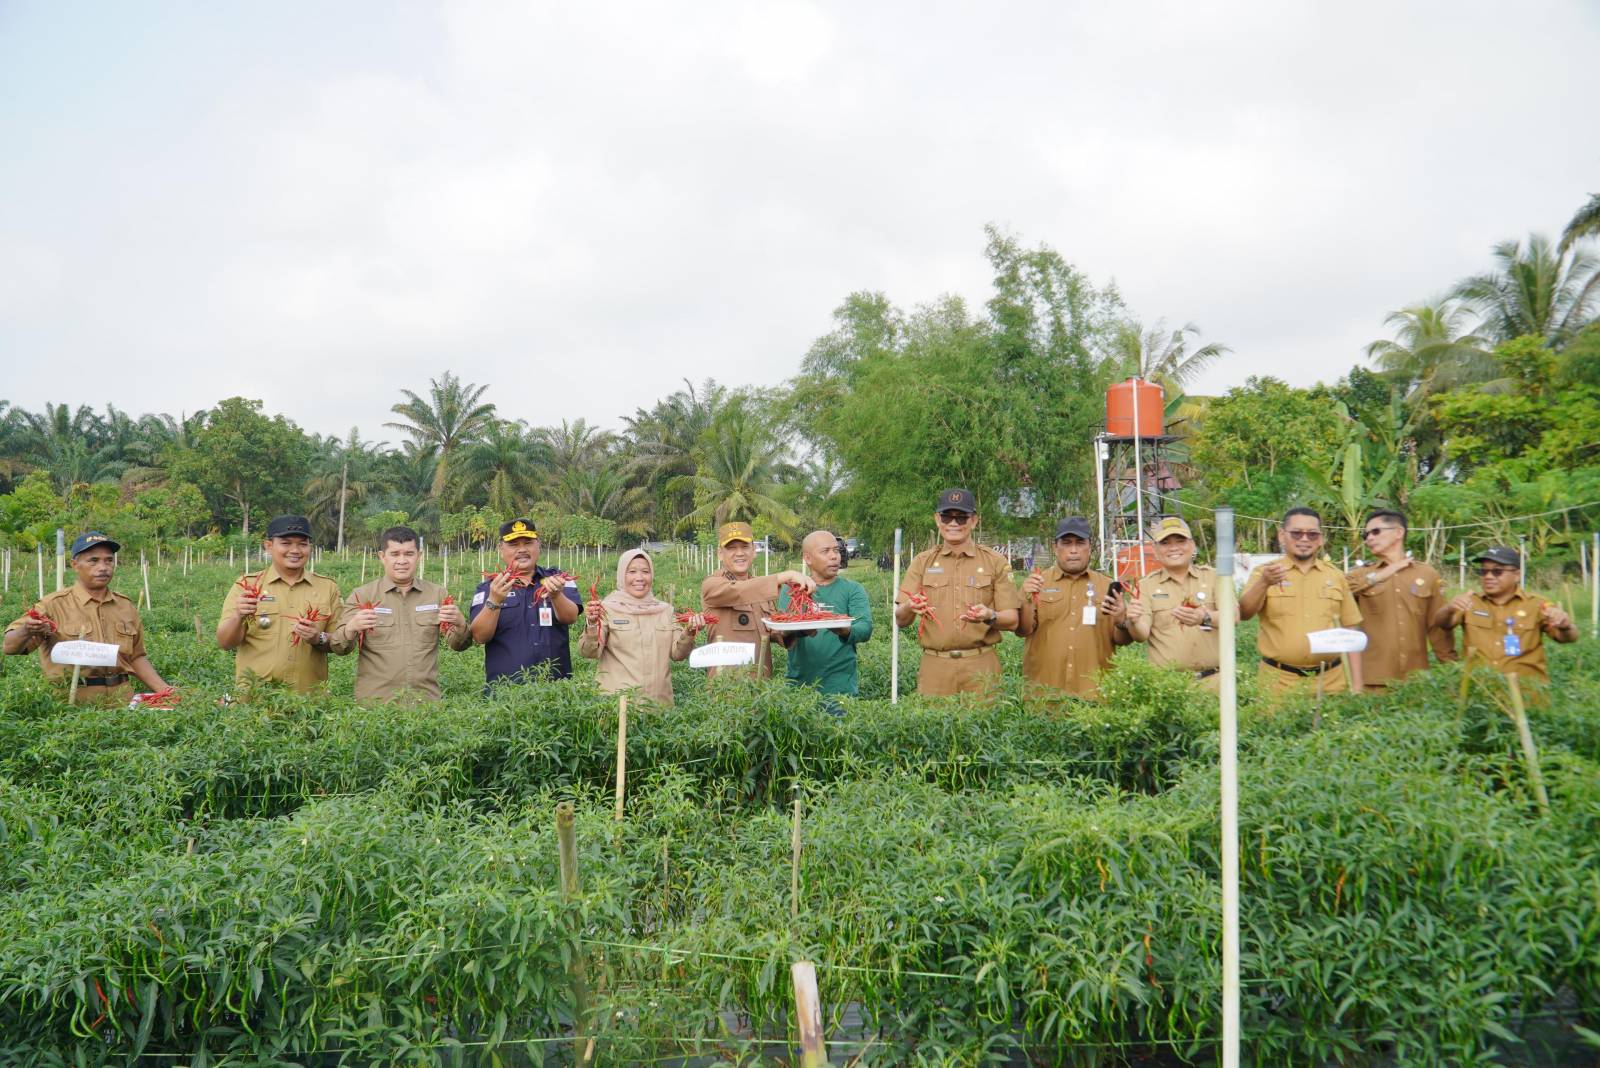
{"points": [[547, 615], [384, 611], [477, 598], [1089, 615], [424, 608]]}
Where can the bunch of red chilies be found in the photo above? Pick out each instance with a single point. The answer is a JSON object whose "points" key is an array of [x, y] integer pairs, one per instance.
{"points": [[165, 700], [803, 608], [519, 579], [684, 617], [249, 587], [313, 615], [447, 600], [34, 613]]}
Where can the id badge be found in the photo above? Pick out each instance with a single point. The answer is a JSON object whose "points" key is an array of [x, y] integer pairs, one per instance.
{"points": [[547, 615], [1088, 615], [1512, 644]]}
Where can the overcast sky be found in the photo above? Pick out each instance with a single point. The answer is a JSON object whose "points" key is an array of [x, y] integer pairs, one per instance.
{"points": [[317, 204]]}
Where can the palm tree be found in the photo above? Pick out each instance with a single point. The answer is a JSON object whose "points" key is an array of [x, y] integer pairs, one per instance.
{"points": [[1586, 223], [343, 474], [573, 446], [507, 464], [1161, 355], [604, 492], [1431, 351], [451, 417], [662, 443], [1536, 291], [739, 468]]}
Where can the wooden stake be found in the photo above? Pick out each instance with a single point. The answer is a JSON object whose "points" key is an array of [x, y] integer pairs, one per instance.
{"points": [[38, 558], [1530, 753], [622, 750], [144, 570], [1462, 580], [363, 581], [794, 866], [567, 844], [77, 672], [199, 628], [808, 1014], [1228, 769]]}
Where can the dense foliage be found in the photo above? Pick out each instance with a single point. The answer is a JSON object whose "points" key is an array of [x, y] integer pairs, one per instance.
{"points": [[264, 883]]}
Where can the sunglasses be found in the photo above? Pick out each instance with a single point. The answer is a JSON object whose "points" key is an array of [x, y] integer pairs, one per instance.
{"points": [[1303, 535], [1373, 532], [1495, 572], [954, 517]]}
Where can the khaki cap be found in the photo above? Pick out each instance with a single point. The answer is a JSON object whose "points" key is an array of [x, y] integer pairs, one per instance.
{"points": [[735, 532]]}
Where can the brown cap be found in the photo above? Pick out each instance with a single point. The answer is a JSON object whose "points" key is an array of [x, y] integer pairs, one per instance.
{"points": [[1169, 526], [735, 532]]}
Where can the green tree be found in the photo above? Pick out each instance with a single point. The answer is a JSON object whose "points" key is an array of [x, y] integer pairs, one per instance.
{"points": [[739, 468], [506, 467], [1536, 291], [1585, 223], [450, 417], [242, 457], [1162, 355], [1266, 434]]}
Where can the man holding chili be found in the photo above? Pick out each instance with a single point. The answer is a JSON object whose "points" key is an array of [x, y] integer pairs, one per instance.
{"points": [[740, 599], [1175, 606], [962, 597], [521, 615], [1398, 598], [91, 611], [279, 620], [1504, 624], [1070, 618], [1295, 595]]}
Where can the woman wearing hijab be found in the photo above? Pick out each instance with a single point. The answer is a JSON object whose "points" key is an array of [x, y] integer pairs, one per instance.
{"points": [[633, 634]]}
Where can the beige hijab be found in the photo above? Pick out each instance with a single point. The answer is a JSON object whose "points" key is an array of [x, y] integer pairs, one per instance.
{"points": [[619, 600]]}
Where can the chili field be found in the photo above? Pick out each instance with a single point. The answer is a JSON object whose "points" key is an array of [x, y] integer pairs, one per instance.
{"points": [[305, 880]]}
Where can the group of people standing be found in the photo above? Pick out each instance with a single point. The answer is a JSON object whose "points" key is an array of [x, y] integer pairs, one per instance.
{"points": [[283, 622], [1072, 617]]}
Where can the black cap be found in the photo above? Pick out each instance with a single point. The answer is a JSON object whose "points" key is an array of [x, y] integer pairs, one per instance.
{"points": [[1074, 524], [286, 526], [517, 529], [1500, 554], [89, 539], [958, 500]]}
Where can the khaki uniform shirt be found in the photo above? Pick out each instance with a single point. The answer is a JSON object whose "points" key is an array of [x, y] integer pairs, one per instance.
{"points": [[952, 579], [1172, 644], [112, 621], [1306, 601], [1068, 648], [1486, 627], [266, 652], [739, 605], [638, 653], [401, 654], [1395, 614]]}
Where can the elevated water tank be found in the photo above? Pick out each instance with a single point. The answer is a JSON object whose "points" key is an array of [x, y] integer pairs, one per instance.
{"points": [[1134, 562], [1136, 394]]}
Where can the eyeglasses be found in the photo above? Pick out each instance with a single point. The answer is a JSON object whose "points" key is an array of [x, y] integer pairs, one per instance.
{"points": [[1373, 532], [1303, 535], [1495, 572], [960, 518]]}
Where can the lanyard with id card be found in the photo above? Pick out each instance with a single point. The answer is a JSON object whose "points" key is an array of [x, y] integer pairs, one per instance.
{"points": [[547, 614], [1088, 607], [1512, 644]]}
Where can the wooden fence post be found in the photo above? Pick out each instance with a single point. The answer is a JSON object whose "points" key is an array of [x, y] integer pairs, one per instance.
{"points": [[1530, 754], [622, 750], [808, 1014], [567, 843]]}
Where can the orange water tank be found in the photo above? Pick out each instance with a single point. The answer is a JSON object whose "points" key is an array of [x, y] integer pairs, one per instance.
{"points": [[1134, 562], [1121, 401]]}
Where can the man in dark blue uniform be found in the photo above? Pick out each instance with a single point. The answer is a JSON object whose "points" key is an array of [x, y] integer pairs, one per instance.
{"points": [[521, 615]]}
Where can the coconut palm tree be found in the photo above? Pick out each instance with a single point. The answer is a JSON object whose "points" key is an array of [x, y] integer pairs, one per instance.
{"points": [[508, 466], [1162, 355], [1586, 223], [739, 471], [1432, 351], [449, 418], [1536, 291]]}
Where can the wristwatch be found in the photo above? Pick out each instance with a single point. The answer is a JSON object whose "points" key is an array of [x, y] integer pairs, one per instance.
{"points": [[496, 605]]}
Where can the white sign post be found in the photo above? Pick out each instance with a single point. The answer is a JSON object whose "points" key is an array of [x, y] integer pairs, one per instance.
{"points": [[894, 628], [81, 654], [723, 654]]}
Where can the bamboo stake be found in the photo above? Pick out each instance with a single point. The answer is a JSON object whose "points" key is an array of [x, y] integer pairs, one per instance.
{"points": [[8, 571], [363, 581], [1229, 768], [61, 559], [808, 1014], [1530, 753], [1522, 557], [38, 558], [622, 750], [894, 629], [144, 570], [794, 863], [77, 673], [1594, 591], [446, 582], [1462, 580], [199, 629], [567, 843]]}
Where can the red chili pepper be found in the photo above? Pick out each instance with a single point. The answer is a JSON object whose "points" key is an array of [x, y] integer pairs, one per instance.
{"points": [[600, 627], [540, 593], [252, 588], [684, 617], [34, 613], [803, 608], [165, 700], [313, 615], [361, 638], [923, 618], [447, 600]]}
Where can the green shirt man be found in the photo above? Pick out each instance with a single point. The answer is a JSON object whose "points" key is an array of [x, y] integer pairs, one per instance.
{"points": [[827, 658]]}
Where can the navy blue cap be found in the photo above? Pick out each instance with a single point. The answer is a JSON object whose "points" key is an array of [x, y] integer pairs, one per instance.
{"points": [[958, 500], [89, 539], [1074, 524], [286, 526]]}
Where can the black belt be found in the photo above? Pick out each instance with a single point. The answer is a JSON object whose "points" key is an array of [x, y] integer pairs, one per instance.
{"points": [[1303, 672], [1206, 673], [104, 680]]}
